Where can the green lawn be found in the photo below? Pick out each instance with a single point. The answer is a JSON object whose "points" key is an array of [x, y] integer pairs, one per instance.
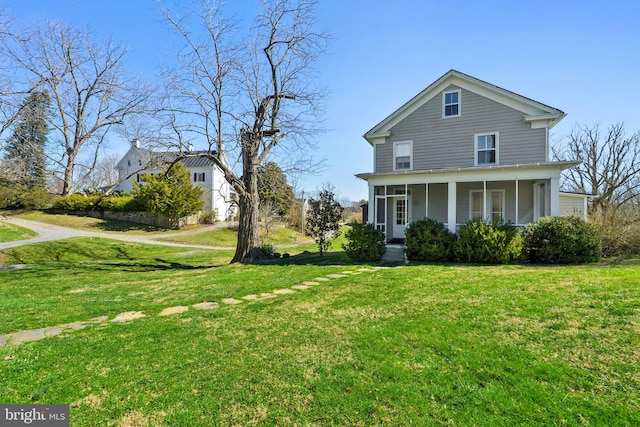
{"points": [[420, 344], [10, 232], [225, 237]]}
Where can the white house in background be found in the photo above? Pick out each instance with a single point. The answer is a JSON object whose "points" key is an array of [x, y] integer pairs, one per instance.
{"points": [[463, 149], [218, 194]]}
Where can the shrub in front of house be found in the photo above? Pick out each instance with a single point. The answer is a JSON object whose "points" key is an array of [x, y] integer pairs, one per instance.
{"points": [[75, 202], [364, 243], [429, 240], [497, 243], [561, 240]]}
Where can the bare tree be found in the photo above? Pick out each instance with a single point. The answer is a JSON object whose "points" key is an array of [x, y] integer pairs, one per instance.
{"points": [[104, 175], [609, 168], [90, 90], [248, 97]]}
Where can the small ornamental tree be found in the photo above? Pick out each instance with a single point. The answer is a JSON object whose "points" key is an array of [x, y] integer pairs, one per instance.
{"points": [[170, 194], [323, 219]]}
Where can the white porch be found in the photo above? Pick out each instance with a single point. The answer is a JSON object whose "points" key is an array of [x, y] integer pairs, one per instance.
{"points": [[515, 194]]}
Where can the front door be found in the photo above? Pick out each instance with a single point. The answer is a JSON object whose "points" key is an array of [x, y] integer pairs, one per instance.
{"points": [[400, 216]]}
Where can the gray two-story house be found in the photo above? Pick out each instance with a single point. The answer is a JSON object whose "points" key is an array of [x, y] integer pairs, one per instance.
{"points": [[463, 149]]}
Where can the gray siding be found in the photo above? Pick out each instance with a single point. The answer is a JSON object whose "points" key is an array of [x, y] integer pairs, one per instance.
{"points": [[440, 143]]}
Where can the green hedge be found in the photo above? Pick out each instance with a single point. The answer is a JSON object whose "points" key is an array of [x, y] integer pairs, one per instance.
{"points": [[482, 243], [120, 204], [429, 240], [75, 202], [562, 240], [80, 202], [364, 243]]}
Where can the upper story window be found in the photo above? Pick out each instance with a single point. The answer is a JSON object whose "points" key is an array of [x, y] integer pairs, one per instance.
{"points": [[402, 155], [198, 177], [487, 149], [451, 103]]}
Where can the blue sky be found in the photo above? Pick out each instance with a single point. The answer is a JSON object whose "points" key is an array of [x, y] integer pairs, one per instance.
{"points": [[582, 57]]}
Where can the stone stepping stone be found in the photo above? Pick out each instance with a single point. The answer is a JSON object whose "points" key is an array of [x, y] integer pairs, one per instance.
{"points": [[284, 291], [97, 319], [311, 283], [75, 326], [173, 310], [231, 301], [128, 315], [366, 270], [321, 279], [53, 331], [206, 306], [336, 276], [27, 336], [300, 287], [251, 297], [267, 295]]}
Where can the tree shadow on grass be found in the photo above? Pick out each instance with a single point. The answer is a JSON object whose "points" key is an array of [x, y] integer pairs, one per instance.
{"points": [[113, 225], [159, 265], [314, 258]]}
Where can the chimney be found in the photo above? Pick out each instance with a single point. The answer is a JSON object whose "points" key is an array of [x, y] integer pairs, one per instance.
{"points": [[135, 143], [191, 148]]}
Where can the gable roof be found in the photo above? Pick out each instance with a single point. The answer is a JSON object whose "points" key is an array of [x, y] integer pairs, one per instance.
{"points": [[534, 112], [193, 159]]}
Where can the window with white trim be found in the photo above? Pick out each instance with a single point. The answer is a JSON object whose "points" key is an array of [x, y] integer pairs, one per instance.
{"points": [[495, 205], [402, 155], [451, 103], [198, 177], [486, 149]]}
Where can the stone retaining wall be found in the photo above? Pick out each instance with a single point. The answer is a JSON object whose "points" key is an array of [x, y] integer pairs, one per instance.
{"points": [[137, 217]]}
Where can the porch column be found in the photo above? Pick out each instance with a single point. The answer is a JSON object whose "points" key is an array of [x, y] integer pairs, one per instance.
{"points": [[426, 200], [517, 200], [451, 209], [406, 205], [554, 203], [372, 205], [484, 202]]}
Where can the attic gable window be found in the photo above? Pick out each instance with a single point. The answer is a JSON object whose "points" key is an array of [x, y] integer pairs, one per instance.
{"points": [[451, 103], [402, 155]]}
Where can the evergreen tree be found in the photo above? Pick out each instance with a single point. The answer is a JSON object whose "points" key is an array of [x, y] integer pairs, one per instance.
{"points": [[170, 194], [25, 149]]}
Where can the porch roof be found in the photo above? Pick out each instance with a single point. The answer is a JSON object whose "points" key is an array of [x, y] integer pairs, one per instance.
{"points": [[480, 170]]}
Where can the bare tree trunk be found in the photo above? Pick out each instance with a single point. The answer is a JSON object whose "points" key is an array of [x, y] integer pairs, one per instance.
{"points": [[248, 245], [68, 173]]}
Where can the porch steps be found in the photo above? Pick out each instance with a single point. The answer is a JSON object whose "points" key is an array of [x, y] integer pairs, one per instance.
{"points": [[394, 254]]}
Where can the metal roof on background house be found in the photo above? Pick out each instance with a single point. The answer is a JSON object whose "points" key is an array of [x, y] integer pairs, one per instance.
{"points": [[193, 159]]}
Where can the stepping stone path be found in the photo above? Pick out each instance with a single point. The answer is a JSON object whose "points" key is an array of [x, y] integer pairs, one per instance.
{"points": [[20, 337], [206, 306], [128, 315], [173, 310]]}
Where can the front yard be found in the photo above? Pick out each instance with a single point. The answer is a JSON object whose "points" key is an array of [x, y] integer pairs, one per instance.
{"points": [[421, 344]]}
